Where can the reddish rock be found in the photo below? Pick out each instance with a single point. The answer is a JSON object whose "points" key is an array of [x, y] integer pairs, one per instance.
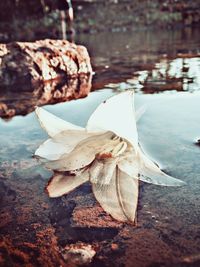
{"points": [[30, 64], [39, 73], [93, 216]]}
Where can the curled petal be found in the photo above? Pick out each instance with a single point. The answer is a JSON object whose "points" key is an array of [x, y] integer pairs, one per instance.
{"points": [[60, 144], [149, 172], [62, 184], [119, 197], [116, 114], [82, 155], [77, 159], [52, 124]]}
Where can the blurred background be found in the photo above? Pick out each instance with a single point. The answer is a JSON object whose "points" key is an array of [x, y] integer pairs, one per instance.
{"points": [[38, 19]]}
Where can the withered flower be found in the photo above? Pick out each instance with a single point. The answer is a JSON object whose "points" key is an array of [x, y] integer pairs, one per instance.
{"points": [[106, 153]]}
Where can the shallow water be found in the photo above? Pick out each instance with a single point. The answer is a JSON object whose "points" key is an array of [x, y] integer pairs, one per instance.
{"points": [[168, 231], [160, 60], [136, 60]]}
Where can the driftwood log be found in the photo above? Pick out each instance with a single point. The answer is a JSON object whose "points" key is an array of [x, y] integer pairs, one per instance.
{"points": [[41, 72]]}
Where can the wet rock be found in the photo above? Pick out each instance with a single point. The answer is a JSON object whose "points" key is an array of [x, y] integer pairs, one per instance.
{"points": [[93, 216], [39, 73], [30, 64]]}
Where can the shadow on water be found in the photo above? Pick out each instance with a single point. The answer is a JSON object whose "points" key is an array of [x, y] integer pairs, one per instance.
{"points": [[36, 229]]}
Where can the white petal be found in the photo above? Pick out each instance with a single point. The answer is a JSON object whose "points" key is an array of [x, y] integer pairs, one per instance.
{"points": [[151, 173], [60, 144], [107, 196], [117, 114], [79, 158], [52, 124], [119, 198], [128, 194], [61, 184], [82, 155]]}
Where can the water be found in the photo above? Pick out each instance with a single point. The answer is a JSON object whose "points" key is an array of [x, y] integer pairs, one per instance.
{"points": [[164, 60], [165, 74], [136, 60]]}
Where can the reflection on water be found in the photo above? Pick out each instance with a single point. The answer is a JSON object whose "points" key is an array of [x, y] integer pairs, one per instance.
{"points": [[14, 102], [117, 57], [179, 74]]}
